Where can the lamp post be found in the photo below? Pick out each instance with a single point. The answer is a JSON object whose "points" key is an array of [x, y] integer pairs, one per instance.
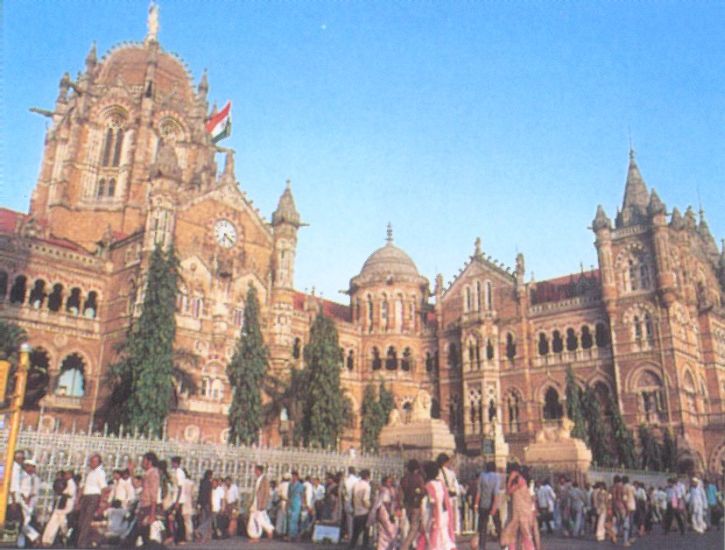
{"points": [[16, 403]]}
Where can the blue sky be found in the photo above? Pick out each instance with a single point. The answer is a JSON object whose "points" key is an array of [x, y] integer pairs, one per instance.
{"points": [[452, 120]]}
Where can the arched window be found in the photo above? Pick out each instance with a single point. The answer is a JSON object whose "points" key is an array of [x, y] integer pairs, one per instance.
{"points": [[117, 151], [638, 273], [553, 409], [407, 361], [73, 304], [601, 335], [587, 341], [350, 360], [197, 307], [384, 316], [17, 292], [471, 354], [55, 298], [512, 407], [111, 187], [37, 294], [543, 344], [428, 362], [452, 356], [107, 148], [377, 362], [399, 313], [71, 381], [297, 348], [113, 145], [468, 303], [357, 309], [557, 344], [90, 307], [649, 330], [489, 350], [489, 296], [650, 393], [391, 359], [572, 342], [510, 346], [637, 326], [603, 395], [3, 284], [216, 390], [101, 192], [238, 317], [479, 296], [370, 312]]}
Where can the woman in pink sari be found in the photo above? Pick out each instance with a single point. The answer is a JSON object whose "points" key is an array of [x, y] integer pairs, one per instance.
{"points": [[383, 515], [437, 525], [522, 526]]}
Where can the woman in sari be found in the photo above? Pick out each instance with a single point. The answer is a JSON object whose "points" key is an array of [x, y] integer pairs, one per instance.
{"points": [[437, 513], [383, 515], [296, 493], [522, 525]]}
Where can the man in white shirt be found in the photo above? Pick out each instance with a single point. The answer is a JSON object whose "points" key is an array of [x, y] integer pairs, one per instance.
{"points": [[361, 508], [347, 487], [546, 501], [318, 497], [29, 493], [120, 490], [91, 489], [231, 505], [15, 474], [258, 518], [283, 495], [181, 497], [217, 503]]}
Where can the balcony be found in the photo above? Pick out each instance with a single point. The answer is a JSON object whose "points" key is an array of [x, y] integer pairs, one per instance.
{"points": [[576, 356]]}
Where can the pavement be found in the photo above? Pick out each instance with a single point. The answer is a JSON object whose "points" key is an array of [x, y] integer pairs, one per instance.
{"points": [[712, 540]]}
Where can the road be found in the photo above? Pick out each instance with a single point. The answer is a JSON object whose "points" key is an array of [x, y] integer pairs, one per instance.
{"points": [[713, 540]]}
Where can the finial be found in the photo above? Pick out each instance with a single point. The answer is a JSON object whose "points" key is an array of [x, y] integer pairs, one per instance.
{"points": [[477, 247], [288, 184], [91, 58], [632, 153], [152, 23], [390, 233], [204, 83]]}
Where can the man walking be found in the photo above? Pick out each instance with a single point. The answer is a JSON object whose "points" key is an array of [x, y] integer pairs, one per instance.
{"points": [[413, 487], [258, 519], [91, 489], [347, 488], [486, 502], [361, 508]]}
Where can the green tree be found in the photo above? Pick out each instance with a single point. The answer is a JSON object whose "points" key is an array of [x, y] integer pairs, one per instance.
{"points": [[370, 415], [574, 407], [246, 372], [669, 451], [323, 407], [596, 429], [623, 440], [387, 403], [145, 372], [650, 450]]}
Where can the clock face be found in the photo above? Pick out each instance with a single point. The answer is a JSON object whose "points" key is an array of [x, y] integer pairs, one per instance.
{"points": [[225, 233]]}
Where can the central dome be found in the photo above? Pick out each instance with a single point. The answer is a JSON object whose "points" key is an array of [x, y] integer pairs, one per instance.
{"points": [[389, 260]]}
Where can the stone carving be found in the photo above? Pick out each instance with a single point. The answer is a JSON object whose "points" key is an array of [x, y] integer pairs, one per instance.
{"points": [[394, 418], [556, 433], [167, 163], [421, 407]]}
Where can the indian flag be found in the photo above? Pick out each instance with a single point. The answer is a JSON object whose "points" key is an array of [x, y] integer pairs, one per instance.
{"points": [[219, 125]]}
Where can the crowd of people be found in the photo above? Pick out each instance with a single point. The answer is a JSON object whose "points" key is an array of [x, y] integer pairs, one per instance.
{"points": [[427, 508]]}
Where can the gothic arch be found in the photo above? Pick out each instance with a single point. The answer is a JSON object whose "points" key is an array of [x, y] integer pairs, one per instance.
{"points": [[633, 378]]}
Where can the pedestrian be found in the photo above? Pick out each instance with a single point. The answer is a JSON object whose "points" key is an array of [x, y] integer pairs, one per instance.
{"points": [[283, 504], [577, 499], [181, 499], [546, 502], [259, 522], [218, 521], [601, 504], [630, 504], [438, 532], [412, 486], [29, 494], [93, 485], [486, 503], [296, 493], [698, 506], [350, 480], [203, 503], [714, 504], [383, 515], [361, 495], [231, 505], [449, 479], [148, 505], [522, 524], [62, 506], [675, 507]]}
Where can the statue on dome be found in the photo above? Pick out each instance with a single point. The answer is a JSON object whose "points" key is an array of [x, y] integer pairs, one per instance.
{"points": [[153, 23]]}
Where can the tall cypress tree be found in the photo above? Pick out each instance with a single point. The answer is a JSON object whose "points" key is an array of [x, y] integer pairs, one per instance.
{"points": [[246, 372], [669, 451], [650, 450], [145, 372], [370, 415], [596, 429], [623, 440], [387, 404], [324, 407], [574, 406]]}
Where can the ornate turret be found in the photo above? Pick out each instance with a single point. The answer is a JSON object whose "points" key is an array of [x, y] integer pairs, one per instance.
{"points": [[636, 197], [286, 210], [601, 220], [91, 59], [655, 206], [704, 230], [676, 221]]}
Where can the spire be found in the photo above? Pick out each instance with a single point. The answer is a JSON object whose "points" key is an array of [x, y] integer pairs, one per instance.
{"points": [[286, 210], [389, 238], [152, 23], [655, 206], [676, 222], [704, 230], [229, 164], [601, 220], [203, 84], [477, 252], [91, 58], [634, 205]]}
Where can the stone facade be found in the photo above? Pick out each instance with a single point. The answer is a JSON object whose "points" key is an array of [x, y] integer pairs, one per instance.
{"points": [[128, 164]]}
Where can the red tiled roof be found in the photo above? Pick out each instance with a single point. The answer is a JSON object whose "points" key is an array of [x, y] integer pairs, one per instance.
{"points": [[329, 309], [565, 287]]}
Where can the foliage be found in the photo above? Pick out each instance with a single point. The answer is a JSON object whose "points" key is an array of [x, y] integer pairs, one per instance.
{"points": [[669, 451], [650, 449], [11, 336], [246, 372], [323, 410], [623, 441], [574, 407], [144, 374], [597, 432], [374, 414], [36, 385]]}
